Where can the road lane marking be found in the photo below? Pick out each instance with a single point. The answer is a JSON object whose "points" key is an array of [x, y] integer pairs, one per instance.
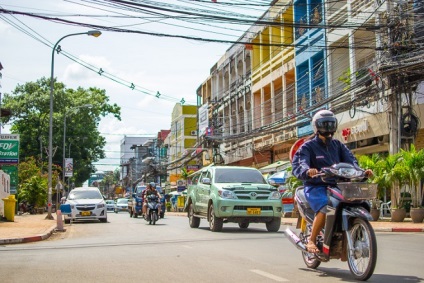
{"points": [[269, 275]]}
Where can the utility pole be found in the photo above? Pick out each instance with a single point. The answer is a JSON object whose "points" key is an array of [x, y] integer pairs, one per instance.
{"points": [[399, 44], [394, 121]]}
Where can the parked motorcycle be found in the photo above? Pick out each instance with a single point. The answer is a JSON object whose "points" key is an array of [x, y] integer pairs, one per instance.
{"points": [[347, 234], [152, 212], [25, 207]]}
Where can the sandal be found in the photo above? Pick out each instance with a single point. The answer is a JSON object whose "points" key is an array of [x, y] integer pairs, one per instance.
{"points": [[312, 248]]}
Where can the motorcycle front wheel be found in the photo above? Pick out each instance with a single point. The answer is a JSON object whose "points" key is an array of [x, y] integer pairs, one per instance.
{"points": [[362, 256]]}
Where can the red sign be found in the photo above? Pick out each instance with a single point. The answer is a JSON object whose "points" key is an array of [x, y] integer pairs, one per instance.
{"points": [[295, 147], [346, 133]]}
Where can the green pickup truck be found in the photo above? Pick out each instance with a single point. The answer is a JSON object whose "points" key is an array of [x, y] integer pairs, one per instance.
{"points": [[237, 194]]}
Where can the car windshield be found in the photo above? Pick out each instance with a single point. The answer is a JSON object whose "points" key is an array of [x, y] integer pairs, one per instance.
{"points": [[139, 191], [229, 175], [123, 200], [109, 201], [85, 195]]}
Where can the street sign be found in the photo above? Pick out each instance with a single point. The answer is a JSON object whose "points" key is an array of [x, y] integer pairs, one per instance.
{"points": [[69, 167]]}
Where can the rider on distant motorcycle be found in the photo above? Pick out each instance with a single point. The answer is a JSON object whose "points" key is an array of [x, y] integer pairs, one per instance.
{"points": [[150, 190], [318, 152]]}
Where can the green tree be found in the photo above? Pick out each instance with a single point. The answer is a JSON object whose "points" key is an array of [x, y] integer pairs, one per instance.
{"points": [[33, 179], [108, 183], [390, 172], [413, 172], [374, 162], [30, 106]]}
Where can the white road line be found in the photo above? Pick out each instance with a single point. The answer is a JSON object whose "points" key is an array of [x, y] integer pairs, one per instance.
{"points": [[269, 275]]}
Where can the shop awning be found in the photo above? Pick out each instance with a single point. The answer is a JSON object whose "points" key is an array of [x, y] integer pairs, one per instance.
{"points": [[274, 167]]}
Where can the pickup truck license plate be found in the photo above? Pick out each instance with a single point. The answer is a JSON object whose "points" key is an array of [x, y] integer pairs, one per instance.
{"points": [[254, 211], [85, 213]]}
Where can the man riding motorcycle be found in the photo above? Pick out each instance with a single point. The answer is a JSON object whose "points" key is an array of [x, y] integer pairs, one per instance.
{"points": [[150, 190], [318, 152]]}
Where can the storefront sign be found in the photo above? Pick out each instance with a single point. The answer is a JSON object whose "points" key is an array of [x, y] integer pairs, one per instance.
{"points": [[9, 149], [363, 127]]}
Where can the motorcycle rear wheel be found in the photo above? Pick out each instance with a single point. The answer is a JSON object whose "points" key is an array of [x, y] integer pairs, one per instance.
{"points": [[310, 260], [155, 217], [362, 257]]}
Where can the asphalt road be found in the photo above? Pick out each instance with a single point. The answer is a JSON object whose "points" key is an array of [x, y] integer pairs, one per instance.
{"points": [[131, 250]]}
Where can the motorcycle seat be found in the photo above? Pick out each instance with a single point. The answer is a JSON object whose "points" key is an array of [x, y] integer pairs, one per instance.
{"points": [[301, 199]]}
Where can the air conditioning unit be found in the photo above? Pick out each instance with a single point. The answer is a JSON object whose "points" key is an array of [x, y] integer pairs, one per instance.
{"points": [[181, 183], [383, 139], [362, 143], [193, 133]]}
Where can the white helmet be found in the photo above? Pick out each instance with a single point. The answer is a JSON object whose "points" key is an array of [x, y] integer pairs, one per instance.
{"points": [[324, 122]]}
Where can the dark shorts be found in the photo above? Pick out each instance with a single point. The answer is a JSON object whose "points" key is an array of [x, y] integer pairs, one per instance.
{"points": [[317, 198]]}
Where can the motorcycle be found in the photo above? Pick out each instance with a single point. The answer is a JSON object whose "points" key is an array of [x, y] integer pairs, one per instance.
{"points": [[152, 212], [347, 234], [25, 207]]}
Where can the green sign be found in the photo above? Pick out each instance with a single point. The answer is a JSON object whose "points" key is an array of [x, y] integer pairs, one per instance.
{"points": [[12, 170], [9, 149]]}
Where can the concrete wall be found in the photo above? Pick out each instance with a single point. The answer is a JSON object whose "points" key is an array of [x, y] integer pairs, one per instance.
{"points": [[4, 189]]}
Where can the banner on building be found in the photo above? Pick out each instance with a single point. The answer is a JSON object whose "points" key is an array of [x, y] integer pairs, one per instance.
{"points": [[69, 167], [9, 149], [203, 118]]}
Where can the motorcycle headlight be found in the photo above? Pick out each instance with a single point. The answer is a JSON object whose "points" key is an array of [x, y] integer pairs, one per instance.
{"points": [[275, 195], [139, 203], [227, 194]]}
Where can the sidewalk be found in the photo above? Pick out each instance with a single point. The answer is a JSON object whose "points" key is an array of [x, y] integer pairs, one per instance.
{"points": [[27, 228], [30, 228]]}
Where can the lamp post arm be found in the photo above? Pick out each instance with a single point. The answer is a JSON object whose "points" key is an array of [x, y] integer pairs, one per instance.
{"points": [[50, 183]]}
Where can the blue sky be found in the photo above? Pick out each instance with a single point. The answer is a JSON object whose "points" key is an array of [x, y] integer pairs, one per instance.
{"points": [[174, 67]]}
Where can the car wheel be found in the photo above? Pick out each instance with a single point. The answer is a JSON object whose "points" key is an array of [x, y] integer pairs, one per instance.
{"points": [[215, 223], [103, 220], [243, 225], [193, 220], [274, 225]]}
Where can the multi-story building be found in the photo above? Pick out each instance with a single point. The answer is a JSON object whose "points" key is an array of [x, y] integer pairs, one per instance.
{"points": [[181, 141], [307, 55], [130, 163]]}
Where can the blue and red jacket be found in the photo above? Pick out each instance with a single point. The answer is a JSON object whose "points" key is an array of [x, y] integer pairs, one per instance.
{"points": [[316, 154]]}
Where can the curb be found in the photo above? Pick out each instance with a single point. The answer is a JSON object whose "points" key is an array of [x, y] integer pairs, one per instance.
{"points": [[407, 230], [30, 238]]}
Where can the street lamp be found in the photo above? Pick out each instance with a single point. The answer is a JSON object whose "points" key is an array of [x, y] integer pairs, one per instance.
{"points": [[64, 137], [94, 33]]}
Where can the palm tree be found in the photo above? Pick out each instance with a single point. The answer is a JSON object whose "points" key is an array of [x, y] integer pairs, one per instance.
{"points": [[388, 173], [413, 172], [372, 162]]}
